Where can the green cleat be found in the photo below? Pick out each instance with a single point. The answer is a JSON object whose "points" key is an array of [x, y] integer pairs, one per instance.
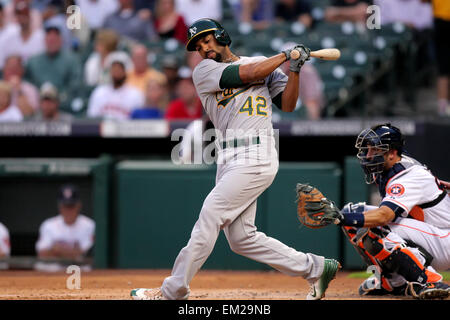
{"points": [[319, 287], [147, 294]]}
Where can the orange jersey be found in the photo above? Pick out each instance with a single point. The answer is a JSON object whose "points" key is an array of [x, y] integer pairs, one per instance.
{"points": [[441, 9]]}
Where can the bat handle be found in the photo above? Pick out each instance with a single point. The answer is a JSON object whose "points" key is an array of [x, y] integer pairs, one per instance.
{"points": [[295, 54]]}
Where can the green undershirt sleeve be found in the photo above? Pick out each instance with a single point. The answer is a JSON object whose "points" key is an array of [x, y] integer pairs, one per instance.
{"points": [[277, 100], [230, 77]]}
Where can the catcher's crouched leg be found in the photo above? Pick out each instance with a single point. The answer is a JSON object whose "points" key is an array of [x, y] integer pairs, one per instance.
{"points": [[400, 264]]}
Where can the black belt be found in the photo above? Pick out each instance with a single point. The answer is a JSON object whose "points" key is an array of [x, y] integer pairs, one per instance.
{"points": [[434, 202], [234, 143]]}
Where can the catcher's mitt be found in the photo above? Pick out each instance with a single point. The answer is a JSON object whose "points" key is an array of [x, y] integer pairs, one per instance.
{"points": [[313, 209]]}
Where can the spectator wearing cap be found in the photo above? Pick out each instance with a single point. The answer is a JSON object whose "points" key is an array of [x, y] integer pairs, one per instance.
{"points": [[187, 106], [57, 14], [127, 23], [24, 41], [142, 72], [24, 95], [70, 234], [347, 10], [116, 100], [170, 66], [8, 111], [168, 22], [156, 100], [49, 106], [57, 66]]}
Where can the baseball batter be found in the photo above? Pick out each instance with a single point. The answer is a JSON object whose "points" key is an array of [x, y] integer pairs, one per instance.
{"points": [[237, 93], [408, 235]]}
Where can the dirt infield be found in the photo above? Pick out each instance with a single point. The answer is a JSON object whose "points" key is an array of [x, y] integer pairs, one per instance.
{"points": [[207, 285]]}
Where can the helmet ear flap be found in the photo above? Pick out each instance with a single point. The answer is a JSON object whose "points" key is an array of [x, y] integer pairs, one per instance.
{"points": [[222, 37]]}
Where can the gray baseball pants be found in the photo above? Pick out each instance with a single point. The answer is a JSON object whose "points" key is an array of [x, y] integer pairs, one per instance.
{"points": [[231, 206]]}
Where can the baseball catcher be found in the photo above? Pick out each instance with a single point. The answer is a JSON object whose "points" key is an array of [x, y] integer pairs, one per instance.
{"points": [[407, 237]]}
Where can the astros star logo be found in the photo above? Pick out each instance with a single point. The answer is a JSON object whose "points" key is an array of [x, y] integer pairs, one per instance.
{"points": [[396, 190], [193, 31]]}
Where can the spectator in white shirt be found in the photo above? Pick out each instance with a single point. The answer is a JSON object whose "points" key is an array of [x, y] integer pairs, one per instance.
{"points": [[24, 41], [117, 100], [8, 112], [11, 17], [70, 234], [96, 11], [5, 247], [192, 10]]}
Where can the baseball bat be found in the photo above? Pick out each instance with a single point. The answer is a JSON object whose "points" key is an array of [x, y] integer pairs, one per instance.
{"points": [[325, 54]]}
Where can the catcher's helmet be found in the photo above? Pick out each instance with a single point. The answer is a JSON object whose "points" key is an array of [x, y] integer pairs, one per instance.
{"points": [[380, 139], [204, 26]]}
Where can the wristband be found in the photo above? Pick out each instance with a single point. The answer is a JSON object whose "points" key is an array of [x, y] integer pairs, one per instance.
{"points": [[354, 220]]}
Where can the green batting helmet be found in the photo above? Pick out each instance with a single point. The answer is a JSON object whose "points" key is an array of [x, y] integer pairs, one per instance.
{"points": [[204, 26]]}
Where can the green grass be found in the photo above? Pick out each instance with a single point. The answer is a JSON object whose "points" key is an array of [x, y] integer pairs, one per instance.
{"points": [[364, 275]]}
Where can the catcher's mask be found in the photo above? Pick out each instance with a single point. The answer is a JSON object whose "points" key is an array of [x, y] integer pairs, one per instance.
{"points": [[201, 28], [373, 144]]}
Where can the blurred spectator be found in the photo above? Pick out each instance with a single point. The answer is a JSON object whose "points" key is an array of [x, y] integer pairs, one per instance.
{"points": [[193, 58], [57, 66], [413, 13], [35, 15], [24, 95], [347, 10], [156, 100], [168, 22], [57, 15], [70, 234], [8, 111], [142, 72], [96, 11], [5, 30], [5, 247], [187, 106], [258, 14], [145, 8], [49, 105], [441, 13], [294, 11], [170, 67], [95, 70], [127, 23], [192, 10], [116, 100], [311, 89], [24, 41], [145, 4], [40, 5]]}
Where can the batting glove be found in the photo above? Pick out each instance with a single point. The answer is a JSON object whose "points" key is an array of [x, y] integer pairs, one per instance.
{"points": [[297, 64]]}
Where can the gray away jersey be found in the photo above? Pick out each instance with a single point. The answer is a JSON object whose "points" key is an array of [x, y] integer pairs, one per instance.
{"points": [[245, 108]]}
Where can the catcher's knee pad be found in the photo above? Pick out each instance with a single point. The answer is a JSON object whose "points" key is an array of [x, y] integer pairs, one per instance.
{"points": [[399, 259]]}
